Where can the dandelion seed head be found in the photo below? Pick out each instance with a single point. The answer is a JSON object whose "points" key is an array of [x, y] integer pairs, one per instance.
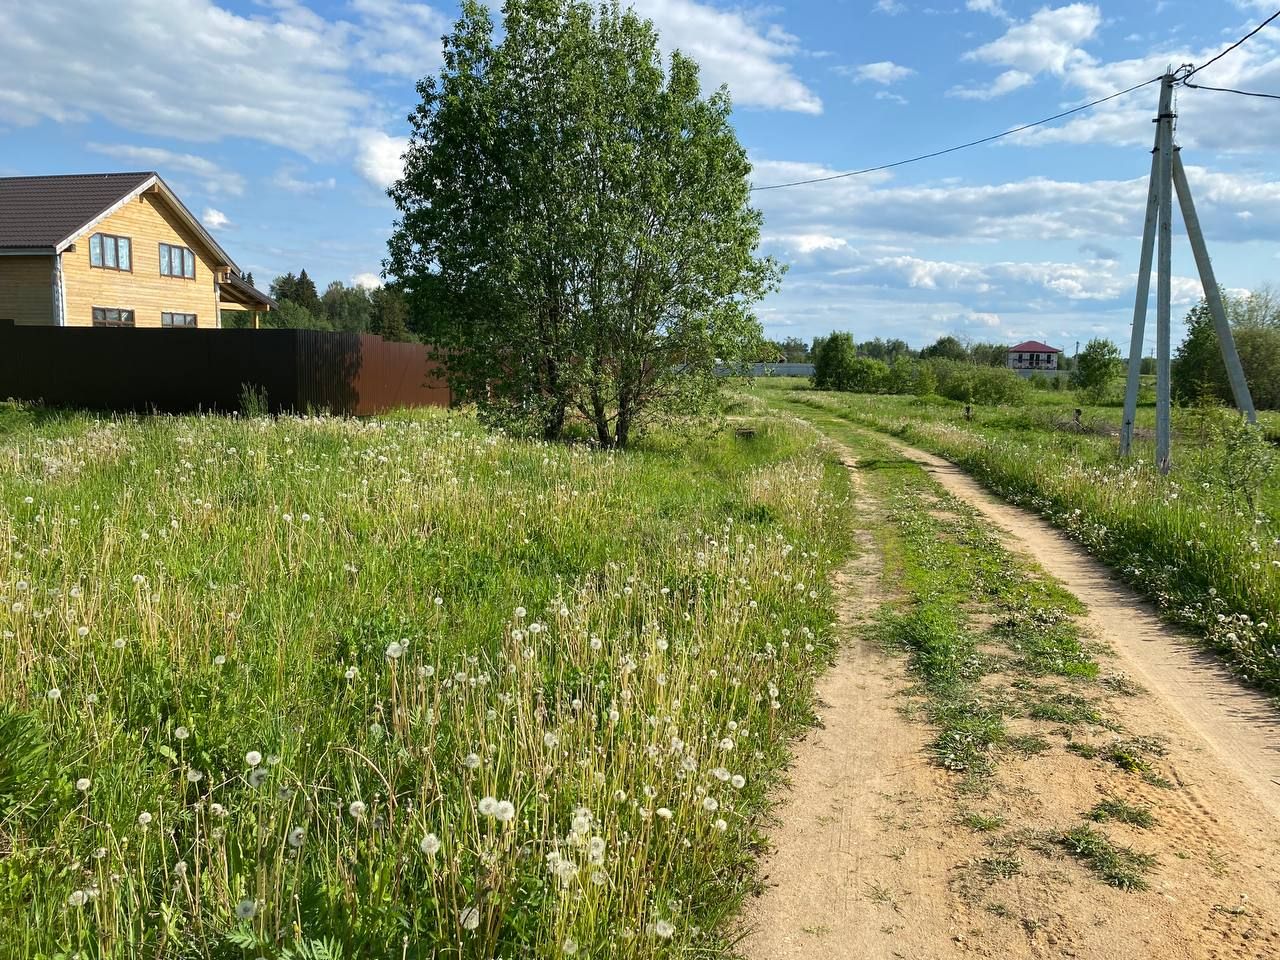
{"points": [[430, 845], [144, 819], [83, 784], [245, 909], [181, 733], [469, 917], [394, 650], [253, 758], [296, 836], [357, 809], [488, 806], [664, 929], [471, 761]]}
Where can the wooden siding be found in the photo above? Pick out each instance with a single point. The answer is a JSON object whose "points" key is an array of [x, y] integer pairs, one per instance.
{"points": [[147, 222], [26, 289]]}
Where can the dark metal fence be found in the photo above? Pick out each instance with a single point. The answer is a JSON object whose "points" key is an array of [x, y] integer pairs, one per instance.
{"points": [[178, 371]]}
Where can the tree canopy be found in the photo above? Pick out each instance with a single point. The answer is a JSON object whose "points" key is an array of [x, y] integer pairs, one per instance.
{"points": [[1198, 369], [574, 221]]}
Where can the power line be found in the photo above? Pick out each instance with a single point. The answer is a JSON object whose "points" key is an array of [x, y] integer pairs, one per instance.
{"points": [[1243, 93], [1248, 35], [962, 146]]}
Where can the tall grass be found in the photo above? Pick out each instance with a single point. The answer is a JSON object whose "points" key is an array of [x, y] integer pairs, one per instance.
{"points": [[1187, 540], [315, 687]]}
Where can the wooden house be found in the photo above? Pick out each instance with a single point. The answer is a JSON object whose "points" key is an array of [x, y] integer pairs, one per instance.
{"points": [[113, 250]]}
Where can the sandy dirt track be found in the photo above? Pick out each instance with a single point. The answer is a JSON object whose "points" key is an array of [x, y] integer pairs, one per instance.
{"points": [[870, 859]]}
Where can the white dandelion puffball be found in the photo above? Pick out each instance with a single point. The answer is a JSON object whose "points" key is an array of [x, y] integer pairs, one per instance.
{"points": [[664, 813], [54, 694], [505, 812], [350, 673], [721, 825], [219, 660], [394, 650], [257, 776], [144, 818], [357, 809], [488, 806], [710, 804], [253, 758], [194, 775], [551, 740], [430, 845], [78, 898], [520, 613], [217, 809], [296, 836], [570, 946], [118, 643], [469, 918], [83, 784], [245, 909], [471, 761], [181, 733], [664, 929], [738, 781]]}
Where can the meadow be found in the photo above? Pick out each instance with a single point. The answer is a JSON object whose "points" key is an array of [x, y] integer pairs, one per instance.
{"points": [[1203, 542], [312, 687]]}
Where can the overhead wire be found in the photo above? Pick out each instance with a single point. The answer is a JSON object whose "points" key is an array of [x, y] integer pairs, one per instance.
{"points": [[1185, 81]]}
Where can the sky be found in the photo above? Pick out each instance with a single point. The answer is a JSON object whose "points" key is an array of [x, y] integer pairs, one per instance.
{"points": [[280, 123]]}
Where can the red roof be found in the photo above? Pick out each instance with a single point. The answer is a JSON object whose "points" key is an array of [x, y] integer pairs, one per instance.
{"points": [[1034, 346]]}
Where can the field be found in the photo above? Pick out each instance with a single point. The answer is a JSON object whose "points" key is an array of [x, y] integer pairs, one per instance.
{"points": [[1204, 542], [320, 688]]}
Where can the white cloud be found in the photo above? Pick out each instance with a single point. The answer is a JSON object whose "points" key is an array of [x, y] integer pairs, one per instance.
{"points": [[1007, 82], [286, 178], [370, 281], [398, 38], [212, 178], [378, 157], [884, 72], [891, 7], [892, 97], [1049, 41], [734, 48], [214, 219], [993, 7]]}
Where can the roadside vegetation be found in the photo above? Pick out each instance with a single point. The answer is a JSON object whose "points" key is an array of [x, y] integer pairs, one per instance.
{"points": [[328, 688], [1204, 542]]}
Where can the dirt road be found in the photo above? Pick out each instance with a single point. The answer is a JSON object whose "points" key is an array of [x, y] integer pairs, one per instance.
{"points": [[872, 860]]}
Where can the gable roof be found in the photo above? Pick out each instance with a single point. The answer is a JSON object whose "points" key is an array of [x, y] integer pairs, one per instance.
{"points": [[1033, 346], [40, 213]]}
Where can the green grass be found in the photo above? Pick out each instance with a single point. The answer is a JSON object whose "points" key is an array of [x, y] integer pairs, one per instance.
{"points": [[395, 687], [1187, 540], [1121, 812], [1115, 864]]}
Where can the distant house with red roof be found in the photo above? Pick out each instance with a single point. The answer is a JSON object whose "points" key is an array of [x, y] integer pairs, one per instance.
{"points": [[1033, 355]]}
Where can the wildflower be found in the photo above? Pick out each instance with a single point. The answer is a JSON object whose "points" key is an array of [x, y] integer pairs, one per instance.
{"points": [[664, 813], [257, 776], [180, 868], [82, 632], [551, 740], [78, 898], [144, 819], [469, 917], [505, 812], [83, 784], [351, 673], [194, 775], [620, 796], [54, 694], [710, 804], [664, 929], [219, 660], [570, 946], [721, 774], [488, 806], [253, 758], [595, 850], [394, 650], [357, 808], [296, 836], [439, 601], [471, 761], [118, 643], [721, 825], [181, 733], [218, 810], [738, 781], [245, 909], [520, 613], [430, 845]]}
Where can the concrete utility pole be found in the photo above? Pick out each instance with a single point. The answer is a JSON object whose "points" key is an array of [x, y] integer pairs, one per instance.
{"points": [[1167, 174]]}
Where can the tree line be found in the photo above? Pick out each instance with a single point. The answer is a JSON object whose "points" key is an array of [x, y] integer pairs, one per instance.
{"points": [[382, 310]]}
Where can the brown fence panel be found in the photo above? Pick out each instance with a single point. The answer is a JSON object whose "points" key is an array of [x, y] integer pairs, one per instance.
{"points": [[188, 370]]}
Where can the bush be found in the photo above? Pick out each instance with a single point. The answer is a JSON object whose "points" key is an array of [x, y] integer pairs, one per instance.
{"points": [[985, 385]]}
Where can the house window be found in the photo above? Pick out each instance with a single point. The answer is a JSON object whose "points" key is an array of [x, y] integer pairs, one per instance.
{"points": [[177, 319], [177, 262], [108, 252], [112, 317]]}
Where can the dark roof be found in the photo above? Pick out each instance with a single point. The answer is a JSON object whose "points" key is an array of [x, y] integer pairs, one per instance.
{"points": [[44, 211], [1034, 346], [239, 291]]}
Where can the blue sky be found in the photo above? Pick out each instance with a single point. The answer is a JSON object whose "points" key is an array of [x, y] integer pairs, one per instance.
{"points": [[280, 122]]}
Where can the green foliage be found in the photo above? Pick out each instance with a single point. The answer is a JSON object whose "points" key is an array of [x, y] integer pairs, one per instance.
{"points": [[988, 386], [575, 226], [300, 290], [23, 760], [1118, 865], [1096, 367], [1238, 451], [945, 348], [833, 362], [1198, 368]]}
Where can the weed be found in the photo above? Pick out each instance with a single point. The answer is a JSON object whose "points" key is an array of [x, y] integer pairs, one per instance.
{"points": [[1115, 864], [1118, 810]]}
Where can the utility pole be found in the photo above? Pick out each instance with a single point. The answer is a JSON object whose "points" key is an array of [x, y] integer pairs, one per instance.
{"points": [[1168, 174]]}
